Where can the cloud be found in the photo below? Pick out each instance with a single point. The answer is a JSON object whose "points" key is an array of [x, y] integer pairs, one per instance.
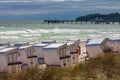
{"points": [[28, 1], [29, 12], [65, 8]]}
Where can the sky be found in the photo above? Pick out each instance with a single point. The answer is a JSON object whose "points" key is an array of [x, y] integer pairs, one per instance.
{"points": [[54, 9]]}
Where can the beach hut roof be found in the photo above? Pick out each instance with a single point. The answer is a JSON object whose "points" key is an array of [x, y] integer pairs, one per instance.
{"points": [[24, 47], [40, 45], [2, 47], [7, 49], [115, 39], [21, 43], [70, 43], [95, 42], [53, 46]]}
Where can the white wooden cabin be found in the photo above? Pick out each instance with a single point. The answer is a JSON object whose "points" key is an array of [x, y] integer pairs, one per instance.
{"points": [[4, 44], [72, 50], [56, 55], [21, 44], [77, 44], [8, 60], [27, 56], [96, 47], [2, 68], [40, 53], [114, 45]]}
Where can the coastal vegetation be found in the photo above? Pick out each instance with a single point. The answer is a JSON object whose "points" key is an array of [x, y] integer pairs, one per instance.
{"points": [[100, 68], [113, 17]]}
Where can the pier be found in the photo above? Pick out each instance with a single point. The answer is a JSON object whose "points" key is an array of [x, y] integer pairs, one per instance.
{"points": [[79, 22]]}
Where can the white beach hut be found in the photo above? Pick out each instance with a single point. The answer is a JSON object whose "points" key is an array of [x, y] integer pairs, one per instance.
{"points": [[96, 47], [8, 60], [73, 52], [56, 55], [77, 44], [39, 52], [114, 45], [27, 56]]}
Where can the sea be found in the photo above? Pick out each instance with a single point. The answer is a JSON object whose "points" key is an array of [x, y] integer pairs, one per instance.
{"points": [[36, 32]]}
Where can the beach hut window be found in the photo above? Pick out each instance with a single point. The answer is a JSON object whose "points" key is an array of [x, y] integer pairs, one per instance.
{"points": [[41, 60], [24, 66]]}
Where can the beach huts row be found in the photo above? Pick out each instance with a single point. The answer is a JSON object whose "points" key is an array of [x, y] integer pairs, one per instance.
{"points": [[53, 54], [41, 55]]}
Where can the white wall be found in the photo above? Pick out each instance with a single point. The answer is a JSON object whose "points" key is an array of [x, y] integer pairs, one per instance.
{"points": [[23, 56], [3, 63], [66, 61], [52, 57], [94, 51], [39, 52], [115, 46]]}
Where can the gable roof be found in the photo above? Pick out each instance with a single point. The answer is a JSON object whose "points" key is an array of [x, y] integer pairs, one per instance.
{"points": [[95, 42], [2, 47], [53, 46], [114, 39], [7, 49], [40, 45], [21, 43], [24, 47]]}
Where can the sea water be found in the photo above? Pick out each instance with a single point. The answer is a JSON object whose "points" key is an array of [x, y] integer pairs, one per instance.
{"points": [[36, 32]]}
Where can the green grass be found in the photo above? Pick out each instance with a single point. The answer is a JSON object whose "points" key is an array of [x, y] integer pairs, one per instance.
{"points": [[100, 68]]}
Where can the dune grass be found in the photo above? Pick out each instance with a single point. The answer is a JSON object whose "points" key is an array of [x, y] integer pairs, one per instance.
{"points": [[100, 68]]}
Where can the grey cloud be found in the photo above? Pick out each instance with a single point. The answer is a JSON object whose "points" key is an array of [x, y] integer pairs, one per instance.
{"points": [[57, 7]]}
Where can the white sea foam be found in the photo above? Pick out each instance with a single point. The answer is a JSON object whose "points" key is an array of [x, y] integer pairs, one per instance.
{"points": [[63, 37], [9, 37], [29, 31], [62, 32]]}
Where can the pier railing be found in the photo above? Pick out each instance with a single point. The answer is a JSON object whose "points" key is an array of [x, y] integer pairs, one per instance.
{"points": [[79, 22]]}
